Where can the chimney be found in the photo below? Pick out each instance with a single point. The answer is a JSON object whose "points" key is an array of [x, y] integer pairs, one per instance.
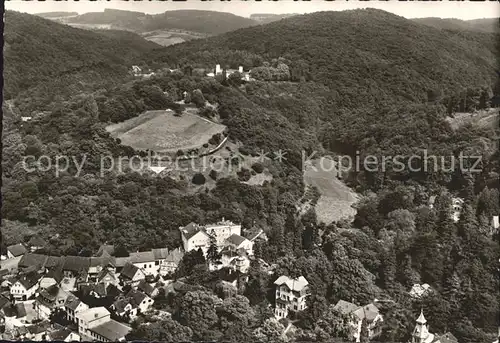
{"points": [[96, 315], [240, 69], [217, 69]]}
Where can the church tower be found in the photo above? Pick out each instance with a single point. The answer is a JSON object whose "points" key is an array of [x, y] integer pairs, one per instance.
{"points": [[421, 332]]}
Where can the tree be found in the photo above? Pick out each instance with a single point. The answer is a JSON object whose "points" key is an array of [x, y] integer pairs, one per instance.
{"points": [[271, 331], [364, 336], [165, 330], [213, 255], [189, 261], [198, 179], [198, 99], [198, 310]]}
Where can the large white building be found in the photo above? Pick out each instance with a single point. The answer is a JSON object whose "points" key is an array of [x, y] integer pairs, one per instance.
{"points": [[226, 233], [291, 294], [95, 324]]}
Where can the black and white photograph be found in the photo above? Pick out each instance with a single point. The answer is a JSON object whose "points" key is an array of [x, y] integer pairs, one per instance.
{"points": [[250, 171]]}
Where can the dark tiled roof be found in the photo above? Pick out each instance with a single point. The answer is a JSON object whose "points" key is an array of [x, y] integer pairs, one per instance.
{"points": [[20, 310], [29, 280], [135, 297], [190, 230], [38, 328], [17, 249], [129, 271], [145, 287], [109, 249], [72, 302], [112, 330], [235, 239], [60, 335], [76, 263], [160, 254], [142, 257]]}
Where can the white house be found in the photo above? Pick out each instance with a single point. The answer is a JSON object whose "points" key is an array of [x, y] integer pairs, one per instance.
{"points": [[368, 312], [418, 290], [291, 294], [73, 306], [15, 250], [25, 287], [131, 275], [63, 335], [196, 236], [240, 242], [95, 324]]}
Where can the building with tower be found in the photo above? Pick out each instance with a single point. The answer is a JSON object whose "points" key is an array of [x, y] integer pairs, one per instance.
{"points": [[421, 333]]}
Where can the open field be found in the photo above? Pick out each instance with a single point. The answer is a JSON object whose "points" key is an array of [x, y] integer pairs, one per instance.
{"points": [[483, 118], [336, 198], [161, 131], [170, 37]]}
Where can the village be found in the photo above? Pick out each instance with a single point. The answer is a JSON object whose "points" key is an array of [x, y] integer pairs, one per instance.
{"points": [[75, 298]]}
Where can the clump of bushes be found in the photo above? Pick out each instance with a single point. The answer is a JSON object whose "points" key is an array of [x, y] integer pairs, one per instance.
{"points": [[258, 167], [198, 179]]}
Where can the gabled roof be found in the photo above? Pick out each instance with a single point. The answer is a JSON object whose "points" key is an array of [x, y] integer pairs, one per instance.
{"points": [[345, 307], [254, 233], [72, 302], [109, 249], [421, 319], [135, 297], [104, 260], [293, 284], [190, 230], [370, 312], [142, 257], [29, 280], [120, 305], [235, 240], [112, 330], [17, 249], [60, 335], [76, 263], [103, 274], [129, 271], [145, 287], [175, 256], [447, 338], [38, 328]]}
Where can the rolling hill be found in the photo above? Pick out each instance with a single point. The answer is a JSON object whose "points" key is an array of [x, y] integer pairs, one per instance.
{"points": [[207, 22], [266, 18], [479, 25], [38, 50], [364, 56]]}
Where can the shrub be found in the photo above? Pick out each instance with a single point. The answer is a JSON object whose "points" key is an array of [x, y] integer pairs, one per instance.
{"points": [[198, 179], [258, 167], [244, 174], [213, 174]]}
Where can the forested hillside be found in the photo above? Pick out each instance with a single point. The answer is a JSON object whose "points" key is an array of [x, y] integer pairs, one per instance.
{"points": [[65, 50], [362, 82], [491, 25]]}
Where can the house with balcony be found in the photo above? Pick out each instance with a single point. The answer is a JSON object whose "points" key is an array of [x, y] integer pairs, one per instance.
{"points": [[369, 312], [25, 286], [291, 295], [196, 236]]}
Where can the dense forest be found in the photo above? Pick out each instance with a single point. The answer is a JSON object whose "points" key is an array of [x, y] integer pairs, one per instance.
{"points": [[355, 82], [67, 51]]}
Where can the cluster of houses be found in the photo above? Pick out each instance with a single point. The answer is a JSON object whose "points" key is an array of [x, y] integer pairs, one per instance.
{"points": [[219, 71], [85, 291], [96, 298]]}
